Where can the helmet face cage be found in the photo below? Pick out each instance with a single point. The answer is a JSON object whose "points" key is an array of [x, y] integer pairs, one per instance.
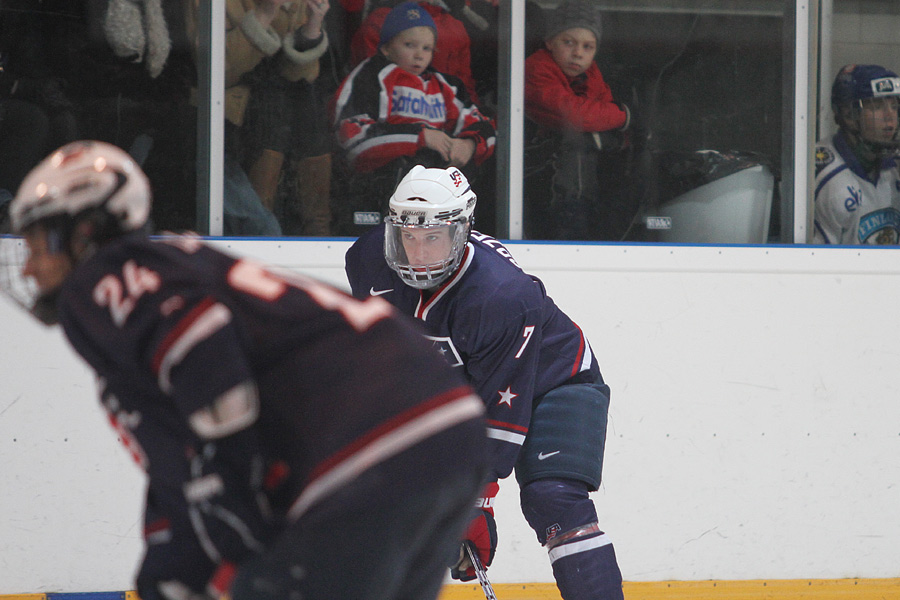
{"points": [[877, 120], [431, 215], [22, 290], [424, 255]]}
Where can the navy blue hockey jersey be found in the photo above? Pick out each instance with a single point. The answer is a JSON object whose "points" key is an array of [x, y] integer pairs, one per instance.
{"points": [[493, 321], [171, 324]]}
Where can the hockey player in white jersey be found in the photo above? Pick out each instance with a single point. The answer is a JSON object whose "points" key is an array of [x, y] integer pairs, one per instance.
{"points": [[857, 197]]}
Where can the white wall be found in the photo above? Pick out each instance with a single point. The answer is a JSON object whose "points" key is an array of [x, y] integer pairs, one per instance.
{"points": [[861, 33], [754, 427], [866, 38]]}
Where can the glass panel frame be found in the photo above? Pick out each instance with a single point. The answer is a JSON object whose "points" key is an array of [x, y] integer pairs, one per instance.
{"points": [[799, 104], [797, 74], [210, 118]]}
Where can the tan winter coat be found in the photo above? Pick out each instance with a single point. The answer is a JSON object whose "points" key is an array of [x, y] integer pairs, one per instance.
{"points": [[247, 43]]}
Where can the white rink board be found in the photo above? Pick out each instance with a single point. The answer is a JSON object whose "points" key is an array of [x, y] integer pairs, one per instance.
{"points": [[754, 427]]}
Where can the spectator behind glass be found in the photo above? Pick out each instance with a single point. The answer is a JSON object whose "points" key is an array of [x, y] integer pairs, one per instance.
{"points": [[857, 198], [36, 109], [23, 136], [133, 84], [452, 55], [248, 40], [395, 111], [285, 118], [575, 127]]}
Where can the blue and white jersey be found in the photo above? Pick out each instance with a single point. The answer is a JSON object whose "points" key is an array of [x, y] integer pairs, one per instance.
{"points": [[493, 321], [851, 208]]}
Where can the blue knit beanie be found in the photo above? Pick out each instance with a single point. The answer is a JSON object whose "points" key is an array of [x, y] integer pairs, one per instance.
{"points": [[405, 16]]}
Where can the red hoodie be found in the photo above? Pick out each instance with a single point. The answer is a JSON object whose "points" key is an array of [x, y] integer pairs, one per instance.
{"points": [[552, 102]]}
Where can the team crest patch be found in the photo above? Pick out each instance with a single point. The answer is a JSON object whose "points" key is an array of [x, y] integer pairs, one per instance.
{"points": [[445, 346], [881, 227], [553, 531], [824, 156]]}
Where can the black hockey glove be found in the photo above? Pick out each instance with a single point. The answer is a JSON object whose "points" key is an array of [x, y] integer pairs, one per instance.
{"points": [[174, 566], [227, 507], [168, 590]]}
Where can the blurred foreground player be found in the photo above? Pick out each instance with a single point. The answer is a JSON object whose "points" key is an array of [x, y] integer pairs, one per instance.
{"points": [[532, 366], [298, 443]]}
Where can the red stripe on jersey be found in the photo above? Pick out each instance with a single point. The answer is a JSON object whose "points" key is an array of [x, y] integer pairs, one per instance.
{"points": [[161, 524], [424, 305], [509, 426], [388, 426], [183, 325], [387, 440], [576, 367]]}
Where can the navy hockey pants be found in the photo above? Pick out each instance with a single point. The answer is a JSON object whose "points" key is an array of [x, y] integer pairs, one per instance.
{"points": [[389, 535]]}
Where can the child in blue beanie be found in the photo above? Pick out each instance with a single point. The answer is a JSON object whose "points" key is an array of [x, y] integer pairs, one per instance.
{"points": [[395, 111]]}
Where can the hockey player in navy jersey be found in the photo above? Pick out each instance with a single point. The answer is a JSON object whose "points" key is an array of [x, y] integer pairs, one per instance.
{"points": [[298, 443], [532, 366]]}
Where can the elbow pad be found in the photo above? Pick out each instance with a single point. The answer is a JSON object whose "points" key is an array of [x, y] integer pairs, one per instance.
{"points": [[234, 410]]}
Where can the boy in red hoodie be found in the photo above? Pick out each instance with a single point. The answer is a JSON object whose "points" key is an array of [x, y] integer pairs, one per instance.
{"points": [[576, 124]]}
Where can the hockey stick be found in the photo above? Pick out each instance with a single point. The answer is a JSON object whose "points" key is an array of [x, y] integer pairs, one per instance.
{"points": [[480, 572]]}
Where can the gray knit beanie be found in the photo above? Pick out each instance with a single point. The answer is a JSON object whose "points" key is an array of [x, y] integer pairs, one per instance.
{"points": [[574, 13]]}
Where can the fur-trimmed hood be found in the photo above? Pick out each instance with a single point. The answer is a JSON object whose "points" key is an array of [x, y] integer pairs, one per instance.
{"points": [[137, 30]]}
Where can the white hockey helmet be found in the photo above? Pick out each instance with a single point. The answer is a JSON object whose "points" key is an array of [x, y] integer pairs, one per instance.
{"points": [[431, 215], [86, 190], [81, 177]]}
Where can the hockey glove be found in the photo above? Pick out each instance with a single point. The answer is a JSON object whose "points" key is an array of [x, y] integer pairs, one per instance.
{"points": [[168, 590], [188, 588], [174, 566], [481, 534], [227, 508]]}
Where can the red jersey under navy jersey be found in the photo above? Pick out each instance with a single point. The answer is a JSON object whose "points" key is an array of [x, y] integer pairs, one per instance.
{"points": [[171, 324], [382, 111], [494, 321]]}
